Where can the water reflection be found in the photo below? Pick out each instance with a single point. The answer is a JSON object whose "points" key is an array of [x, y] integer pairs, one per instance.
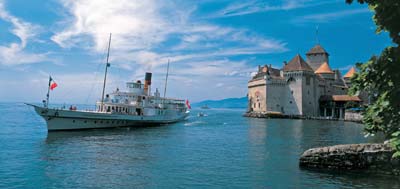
{"points": [[276, 145], [220, 150], [98, 158]]}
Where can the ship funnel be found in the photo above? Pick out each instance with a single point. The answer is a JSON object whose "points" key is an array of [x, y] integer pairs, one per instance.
{"points": [[147, 83]]}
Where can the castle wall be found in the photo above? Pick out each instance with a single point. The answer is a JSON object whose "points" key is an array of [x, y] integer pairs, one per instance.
{"points": [[310, 95], [257, 95], [275, 92], [294, 100]]}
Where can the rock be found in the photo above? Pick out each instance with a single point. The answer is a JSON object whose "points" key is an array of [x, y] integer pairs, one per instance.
{"points": [[370, 157]]}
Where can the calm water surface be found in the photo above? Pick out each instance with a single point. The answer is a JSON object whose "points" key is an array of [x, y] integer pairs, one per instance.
{"points": [[222, 150]]}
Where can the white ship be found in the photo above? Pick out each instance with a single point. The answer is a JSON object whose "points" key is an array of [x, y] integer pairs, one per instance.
{"points": [[130, 108]]}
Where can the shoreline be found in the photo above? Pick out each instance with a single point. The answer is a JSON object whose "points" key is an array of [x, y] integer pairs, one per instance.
{"points": [[281, 116]]}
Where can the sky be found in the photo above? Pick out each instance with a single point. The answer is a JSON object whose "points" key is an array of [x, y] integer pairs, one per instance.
{"points": [[213, 45]]}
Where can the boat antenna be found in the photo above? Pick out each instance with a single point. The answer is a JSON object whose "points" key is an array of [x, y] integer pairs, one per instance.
{"points": [[166, 80], [105, 74]]}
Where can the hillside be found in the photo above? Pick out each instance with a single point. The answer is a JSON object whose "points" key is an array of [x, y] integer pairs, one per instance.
{"points": [[224, 103]]}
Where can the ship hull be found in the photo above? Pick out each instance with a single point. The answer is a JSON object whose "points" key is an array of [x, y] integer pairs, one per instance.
{"points": [[62, 120]]}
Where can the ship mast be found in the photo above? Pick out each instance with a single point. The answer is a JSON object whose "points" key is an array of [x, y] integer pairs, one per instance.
{"points": [[105, 74], [166, 80]]}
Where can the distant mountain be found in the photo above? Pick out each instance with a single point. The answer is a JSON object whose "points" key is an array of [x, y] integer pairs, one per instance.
{"points": [[224, 103]]}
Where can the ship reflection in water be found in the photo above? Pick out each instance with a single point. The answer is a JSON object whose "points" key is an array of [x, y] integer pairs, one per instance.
{"points": [[222, 149]]}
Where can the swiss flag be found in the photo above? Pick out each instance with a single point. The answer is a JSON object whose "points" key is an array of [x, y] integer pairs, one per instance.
{"points": [[188, 104], [53, 84]]}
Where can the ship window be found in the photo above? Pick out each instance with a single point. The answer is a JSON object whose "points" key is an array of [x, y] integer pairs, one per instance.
{"points": [[73, 121], [95, 122], [112, 122], [101, 121], [107, 122], [85, 121]]}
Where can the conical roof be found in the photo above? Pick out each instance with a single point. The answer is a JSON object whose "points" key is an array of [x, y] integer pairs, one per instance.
{"points": [[317, 49], [297, 64], [350, 73], [324, 69]]}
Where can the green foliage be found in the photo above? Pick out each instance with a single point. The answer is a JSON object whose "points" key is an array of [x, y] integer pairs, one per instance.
{"points": [[380, 76]]}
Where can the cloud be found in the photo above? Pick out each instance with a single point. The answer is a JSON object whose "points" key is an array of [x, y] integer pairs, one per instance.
{"points": [[14, 53], [257, 6], [148, 34], [135, 24], [142, 29], [328, 17]]}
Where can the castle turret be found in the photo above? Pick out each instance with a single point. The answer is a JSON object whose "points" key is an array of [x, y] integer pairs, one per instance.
{"points": [[348, 75], [316, 56], [325, 71]]}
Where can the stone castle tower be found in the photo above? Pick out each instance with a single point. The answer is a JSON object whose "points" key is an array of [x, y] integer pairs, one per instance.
{"points": [[317, 56], [302, 94]]}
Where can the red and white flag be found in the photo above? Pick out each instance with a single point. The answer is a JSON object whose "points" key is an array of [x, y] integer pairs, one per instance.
{"points": [[52, 84], [188, 104]]}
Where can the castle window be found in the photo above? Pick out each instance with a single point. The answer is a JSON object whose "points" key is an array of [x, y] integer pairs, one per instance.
{"points": [[307, 80], [291, 91], [308, 92], [290, 102], [259, 105]]}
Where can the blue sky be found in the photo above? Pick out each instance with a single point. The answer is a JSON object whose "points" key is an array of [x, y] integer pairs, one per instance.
{"points": [[213, 46]]}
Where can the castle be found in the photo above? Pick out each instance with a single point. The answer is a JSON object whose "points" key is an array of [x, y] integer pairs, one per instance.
{"points": [[301, 88]]}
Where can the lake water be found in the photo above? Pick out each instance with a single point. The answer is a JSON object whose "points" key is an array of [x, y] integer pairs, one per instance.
{"points": [[221, 150]]}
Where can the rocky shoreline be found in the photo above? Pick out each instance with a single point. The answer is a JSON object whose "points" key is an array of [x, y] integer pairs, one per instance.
{"points": [[374, 158], [281, 116]]}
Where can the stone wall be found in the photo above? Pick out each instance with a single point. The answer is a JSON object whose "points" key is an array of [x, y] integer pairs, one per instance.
{"points": [[375, 158], [353, 116], [257, 95]]}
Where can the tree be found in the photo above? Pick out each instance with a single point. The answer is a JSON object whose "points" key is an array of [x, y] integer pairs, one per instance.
{"points": [[380, 76]]}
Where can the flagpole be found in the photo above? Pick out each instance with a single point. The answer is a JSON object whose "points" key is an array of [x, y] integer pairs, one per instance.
{"points": [[105, 74], [48, 93]]}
